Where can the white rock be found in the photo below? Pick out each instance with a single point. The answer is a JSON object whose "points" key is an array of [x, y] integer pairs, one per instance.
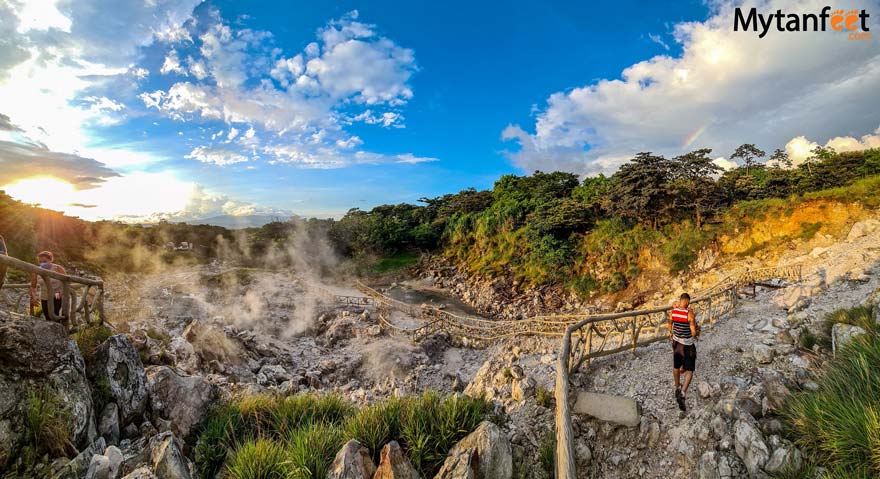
{"points": [[762, 353], [750, 447], [842, 334]]}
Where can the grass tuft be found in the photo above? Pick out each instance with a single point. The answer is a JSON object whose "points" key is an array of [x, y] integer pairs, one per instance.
{"points": [[89, 338], [839, 424], [260, 459], [49, 424]]}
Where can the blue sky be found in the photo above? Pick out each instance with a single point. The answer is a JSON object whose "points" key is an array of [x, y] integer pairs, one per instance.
{"points": [[187, 109]]}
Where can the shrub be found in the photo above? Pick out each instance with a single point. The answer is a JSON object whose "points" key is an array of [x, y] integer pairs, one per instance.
{"points": [[547, 454], [217, 439], [313, 448], [49, 424], [375, 425], [682, 247], [294, 412], [839, 424], [861, 316], [544, 397], [430, 426], [89, 338], [260, 459]]}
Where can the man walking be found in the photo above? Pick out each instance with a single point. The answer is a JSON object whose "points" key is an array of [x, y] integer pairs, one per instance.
{"points": [[683, 331]]}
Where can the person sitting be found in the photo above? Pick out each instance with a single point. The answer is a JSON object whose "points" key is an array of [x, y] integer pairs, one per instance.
{"points": [[45, 259]]}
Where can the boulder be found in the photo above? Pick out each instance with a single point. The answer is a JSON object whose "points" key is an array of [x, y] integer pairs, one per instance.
{"points": [[37, 357], [183, 400], [863, 228], [393, 464], [762, 353], [750, 447], [708, 466], [776, 393], [353, 461], [167, 460], [843, 334], [142, 472], [784, 457], [482, 454], [99, 468], [78, 466], [108, 425], [609, 408], [118, 366], [523, 389], [116, 458]]}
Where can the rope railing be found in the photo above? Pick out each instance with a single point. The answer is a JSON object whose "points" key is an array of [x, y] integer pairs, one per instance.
{"points": [[89, 300]]}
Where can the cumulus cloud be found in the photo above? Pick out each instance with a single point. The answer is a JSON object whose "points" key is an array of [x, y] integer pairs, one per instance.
{"points": [[305, 101], [24, 160], [172, 64], [800, 148], [724, 89], [216, 156]]}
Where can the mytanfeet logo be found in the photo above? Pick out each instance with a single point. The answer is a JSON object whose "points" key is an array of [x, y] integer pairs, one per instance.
{"points": [[855, 22]]}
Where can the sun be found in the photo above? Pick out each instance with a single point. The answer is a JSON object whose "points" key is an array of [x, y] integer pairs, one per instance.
{"points": [[47, 191]]}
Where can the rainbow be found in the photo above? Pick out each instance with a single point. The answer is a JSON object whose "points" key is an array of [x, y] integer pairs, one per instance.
{"points": [[693, 136]]}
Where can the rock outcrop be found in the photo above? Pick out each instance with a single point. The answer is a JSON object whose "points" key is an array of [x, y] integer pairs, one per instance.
{"points": [[393, 464], [483, 454], [118, 368], [37, 358], [182, 400], [353, 461]]}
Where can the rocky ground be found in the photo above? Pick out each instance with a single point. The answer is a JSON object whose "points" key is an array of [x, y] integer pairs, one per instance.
{"points": [[186, 338]]}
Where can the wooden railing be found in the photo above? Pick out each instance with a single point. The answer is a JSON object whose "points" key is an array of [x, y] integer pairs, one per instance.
{"points": [[89, 300], [605, 334]]}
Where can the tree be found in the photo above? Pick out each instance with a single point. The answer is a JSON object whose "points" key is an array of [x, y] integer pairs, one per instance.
{"points": [[781, 159], [640, 189], [748, 153], [693, 176]]}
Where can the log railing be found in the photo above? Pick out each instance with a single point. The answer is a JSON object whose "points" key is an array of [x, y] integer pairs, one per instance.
{"points": [[79, 296], [605, 334]]}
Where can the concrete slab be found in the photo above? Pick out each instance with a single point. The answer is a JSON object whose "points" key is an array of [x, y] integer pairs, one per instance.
{"points": [[609, 408]]}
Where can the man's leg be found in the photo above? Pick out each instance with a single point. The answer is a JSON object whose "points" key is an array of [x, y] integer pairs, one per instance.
{"points": [[688, 375], [676, 375], [44, 305]]}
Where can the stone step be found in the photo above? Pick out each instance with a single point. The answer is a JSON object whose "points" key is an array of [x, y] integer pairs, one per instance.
{"points": [[608, 407]]}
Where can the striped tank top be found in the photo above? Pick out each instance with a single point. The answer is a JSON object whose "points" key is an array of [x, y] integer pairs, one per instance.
{"points": [[681, 327]]}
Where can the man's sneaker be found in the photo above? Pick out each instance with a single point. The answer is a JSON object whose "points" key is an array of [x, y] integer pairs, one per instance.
{"points": [[679, 398]]}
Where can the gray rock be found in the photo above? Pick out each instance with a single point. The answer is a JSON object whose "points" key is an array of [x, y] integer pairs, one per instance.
{"points": [[78, 466], [167, 460], [108, 425], [763, 354], [99, 467], [776, 393], [142, 472], [483, 454], [750, 447], [115, 456], [843, 334], [523, 389], [708, 466], [393, 464], [705, 389], [609, 408], [183, 400], [353, 461], [784, 457], [37, 356], [118, 365]]}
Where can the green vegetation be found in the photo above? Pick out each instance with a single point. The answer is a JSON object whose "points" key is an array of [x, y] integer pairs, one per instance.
{"points": [[48, 423], [544, 397], [838, 426], [547, 454], [591, 236], [89, 338], [396, 262], [267, 436]]}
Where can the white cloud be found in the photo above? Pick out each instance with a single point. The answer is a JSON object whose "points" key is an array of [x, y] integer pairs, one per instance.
{"points": [[413, 160], [658, 40], [303, 101], [726, 88], [800, 148], [172, 64], [233, 132], [216, 156], [724, 163]]}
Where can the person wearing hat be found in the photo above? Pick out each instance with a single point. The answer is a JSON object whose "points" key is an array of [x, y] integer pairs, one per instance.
{"points": [[46, 260]]}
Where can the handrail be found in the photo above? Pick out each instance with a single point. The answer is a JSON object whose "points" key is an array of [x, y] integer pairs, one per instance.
{"points": [[87, 304], [630, 330]]}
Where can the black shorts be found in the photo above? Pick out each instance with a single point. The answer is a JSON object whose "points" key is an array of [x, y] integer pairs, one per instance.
{"points": [[684, 356]]}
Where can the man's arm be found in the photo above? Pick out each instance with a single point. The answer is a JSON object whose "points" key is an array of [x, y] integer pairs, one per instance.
{"points": [[692, 319]]}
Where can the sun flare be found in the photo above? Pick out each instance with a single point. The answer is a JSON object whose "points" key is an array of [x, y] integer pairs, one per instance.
{"points": [[47, 191]]}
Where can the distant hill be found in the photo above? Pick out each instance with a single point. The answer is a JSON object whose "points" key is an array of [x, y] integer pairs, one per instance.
{"points": [[239, 222]]}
